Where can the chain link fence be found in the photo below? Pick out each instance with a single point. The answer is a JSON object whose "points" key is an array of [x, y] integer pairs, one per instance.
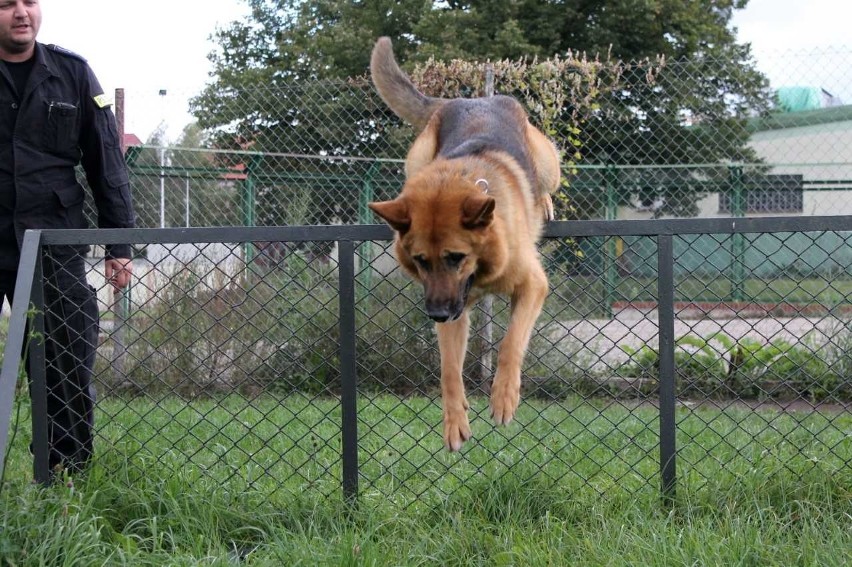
{"points": [[692, 139], [230, 355], [673, 139], [277, 373]]}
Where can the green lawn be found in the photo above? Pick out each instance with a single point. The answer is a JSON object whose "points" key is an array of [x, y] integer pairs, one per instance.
{"points": [[232, 481]]}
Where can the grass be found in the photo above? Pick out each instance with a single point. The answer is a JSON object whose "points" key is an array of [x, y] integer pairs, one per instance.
{"points": [[232, 481]]}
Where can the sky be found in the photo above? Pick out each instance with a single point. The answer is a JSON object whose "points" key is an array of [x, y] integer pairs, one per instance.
{"points": [[801, 43], [144, 46]]}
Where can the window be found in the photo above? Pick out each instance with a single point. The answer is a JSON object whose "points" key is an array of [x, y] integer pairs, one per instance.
{"points": [[767, 194]]}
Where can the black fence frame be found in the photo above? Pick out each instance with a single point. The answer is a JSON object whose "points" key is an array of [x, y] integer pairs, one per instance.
{"points": [[28, 293]]}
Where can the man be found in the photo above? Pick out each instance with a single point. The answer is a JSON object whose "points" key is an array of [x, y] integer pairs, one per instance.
{"points": [[53, 116]]}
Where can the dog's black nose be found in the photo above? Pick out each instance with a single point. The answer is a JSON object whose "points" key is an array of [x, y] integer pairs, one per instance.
{"points": [[442, 313], [438, 315], [438, 312]]}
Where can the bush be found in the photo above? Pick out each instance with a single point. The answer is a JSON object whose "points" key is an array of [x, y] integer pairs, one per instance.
{"points": [[747, 369], [273, 329]]}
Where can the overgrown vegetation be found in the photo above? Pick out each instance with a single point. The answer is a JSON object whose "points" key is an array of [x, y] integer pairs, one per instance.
{"points": [[275, 327], [271, 329], [573, 484], [719, 367]]}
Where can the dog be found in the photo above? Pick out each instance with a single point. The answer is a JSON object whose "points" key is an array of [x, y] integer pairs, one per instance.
{"points": [[477, 192]]}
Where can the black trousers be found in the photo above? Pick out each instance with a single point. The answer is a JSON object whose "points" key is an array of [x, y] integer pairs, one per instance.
{"points": [[71, 335]]}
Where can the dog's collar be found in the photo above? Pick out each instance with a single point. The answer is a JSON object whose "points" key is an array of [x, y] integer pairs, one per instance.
{"points": [[483, 183]]}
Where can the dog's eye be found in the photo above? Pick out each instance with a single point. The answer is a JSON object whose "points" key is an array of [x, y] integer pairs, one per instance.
{"points": [[421, 261], [454, 259]]}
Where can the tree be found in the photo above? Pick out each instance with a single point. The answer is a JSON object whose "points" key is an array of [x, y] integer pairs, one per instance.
{"points": [[691, 111], [285, 97]]}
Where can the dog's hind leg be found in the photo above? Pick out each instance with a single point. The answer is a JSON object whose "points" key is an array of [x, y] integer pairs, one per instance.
{"points": [[547, 171], [452, 341], [527, 301], [422, 151]]}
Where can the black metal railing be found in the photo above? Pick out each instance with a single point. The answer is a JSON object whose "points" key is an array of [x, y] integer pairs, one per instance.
{"points": [[369, 350]]}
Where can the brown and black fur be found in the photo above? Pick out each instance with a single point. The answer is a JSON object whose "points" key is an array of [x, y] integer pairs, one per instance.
{"points": [[478, 182]]}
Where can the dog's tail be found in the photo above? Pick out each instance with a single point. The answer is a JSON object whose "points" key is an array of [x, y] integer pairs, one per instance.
{"points": [[397, 90]]}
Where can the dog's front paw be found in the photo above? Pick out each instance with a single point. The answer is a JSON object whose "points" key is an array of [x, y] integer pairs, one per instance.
{"points": [[456, 429], [505, 396]]}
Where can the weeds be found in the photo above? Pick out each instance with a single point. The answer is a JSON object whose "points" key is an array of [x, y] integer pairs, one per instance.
{"points": [[719, 367]]}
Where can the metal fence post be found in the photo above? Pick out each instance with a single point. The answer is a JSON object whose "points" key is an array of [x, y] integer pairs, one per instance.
{"points": [[738, 210], [120, 314], [365, 216], [17, 336], [248, 202], [665, 303], [186, 201], [37, 369], [610, 275], [486, 306], [348, 370]]}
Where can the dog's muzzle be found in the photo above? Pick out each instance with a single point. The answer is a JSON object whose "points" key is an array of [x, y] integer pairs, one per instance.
{"points": [[449, 309]]}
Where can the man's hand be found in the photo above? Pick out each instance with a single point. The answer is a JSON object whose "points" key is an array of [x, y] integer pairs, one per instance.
{"points": [[118, 271]]}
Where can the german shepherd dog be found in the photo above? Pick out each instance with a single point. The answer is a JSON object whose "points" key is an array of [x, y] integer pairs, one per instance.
{"points": [[477, 193]]}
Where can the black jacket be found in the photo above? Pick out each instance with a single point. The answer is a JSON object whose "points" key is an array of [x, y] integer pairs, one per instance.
{"points": [[59, 121]]}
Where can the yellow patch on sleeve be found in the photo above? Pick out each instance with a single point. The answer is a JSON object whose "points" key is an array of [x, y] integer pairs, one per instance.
{"points": [[103, 101]]}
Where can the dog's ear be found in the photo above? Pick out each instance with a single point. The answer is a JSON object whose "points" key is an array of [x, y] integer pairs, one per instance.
{"points": [[477, 211], [395, 213]]}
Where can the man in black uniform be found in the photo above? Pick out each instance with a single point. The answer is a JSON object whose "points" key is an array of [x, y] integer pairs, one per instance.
{"points": [[53, 116]]}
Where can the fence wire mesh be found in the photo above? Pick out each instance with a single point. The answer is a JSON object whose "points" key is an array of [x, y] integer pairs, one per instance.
{"points": [[679, 139], [223, 361]]}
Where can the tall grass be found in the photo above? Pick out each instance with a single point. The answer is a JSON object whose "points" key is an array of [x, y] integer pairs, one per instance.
{"points": [[571, 484]]}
